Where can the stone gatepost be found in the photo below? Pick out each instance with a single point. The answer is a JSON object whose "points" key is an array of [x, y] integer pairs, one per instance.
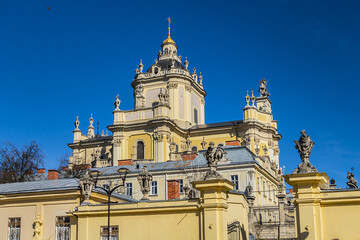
{"points": [[307, 188], [214, 207]]}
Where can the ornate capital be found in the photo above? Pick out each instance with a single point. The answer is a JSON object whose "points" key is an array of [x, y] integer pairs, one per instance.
{"points": [[168, 138], [158, 137], [202, 101], [188, 88], [171, 85], [117, 142]]}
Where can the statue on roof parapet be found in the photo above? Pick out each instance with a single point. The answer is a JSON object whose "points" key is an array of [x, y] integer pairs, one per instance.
{"points": [[263, 89], [352, 183], [304, 147]]}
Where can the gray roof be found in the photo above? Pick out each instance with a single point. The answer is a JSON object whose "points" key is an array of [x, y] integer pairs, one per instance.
{"points": [[39, 186], [236, 155], [51, 185]]}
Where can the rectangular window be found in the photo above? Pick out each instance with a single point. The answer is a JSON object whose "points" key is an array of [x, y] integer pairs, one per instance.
{"points": [[264, 188], [154, 188], [114, 233], [269, 191], [62, 228], [14, 228], [235, 180], [129, 190], [258, 185], [181, 185]]}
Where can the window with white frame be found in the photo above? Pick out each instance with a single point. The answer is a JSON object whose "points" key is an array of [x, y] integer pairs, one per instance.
{"points": [[181, 185], [154, 188], [235, 180], [62, 228], [128, 189], [114, 233], [14, 228]]}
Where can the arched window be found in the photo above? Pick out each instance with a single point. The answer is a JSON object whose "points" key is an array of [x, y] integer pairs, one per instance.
{"points": [[166, 51], [140, 150], [194, 149], [195, 116]]}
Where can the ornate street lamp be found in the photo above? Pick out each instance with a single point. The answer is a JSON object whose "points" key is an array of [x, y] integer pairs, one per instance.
{"points": [[95, 175], [145, 178]]}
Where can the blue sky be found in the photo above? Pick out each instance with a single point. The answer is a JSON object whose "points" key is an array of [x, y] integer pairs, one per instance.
{"points": [[60, 59]]}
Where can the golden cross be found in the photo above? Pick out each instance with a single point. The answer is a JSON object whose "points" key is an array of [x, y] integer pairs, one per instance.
{"points": [[169, 26]]}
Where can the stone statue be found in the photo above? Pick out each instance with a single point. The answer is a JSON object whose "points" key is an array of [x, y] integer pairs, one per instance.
{"points": [[139, 90], [304, 147], [37, 228], [86, 184], [144, 179], [262, 89], [213, 155], [117, 102], [352, 183], [249, 190]]}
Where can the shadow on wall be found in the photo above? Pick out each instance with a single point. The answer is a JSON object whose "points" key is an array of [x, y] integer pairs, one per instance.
{"points": [[304, 235]]}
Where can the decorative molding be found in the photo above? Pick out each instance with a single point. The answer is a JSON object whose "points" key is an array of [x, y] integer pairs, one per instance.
{"points": [[203, 101], [117, 142], [188, 88]]}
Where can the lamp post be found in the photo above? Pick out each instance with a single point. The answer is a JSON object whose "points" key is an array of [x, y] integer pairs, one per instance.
{"points": [[122, 172]]}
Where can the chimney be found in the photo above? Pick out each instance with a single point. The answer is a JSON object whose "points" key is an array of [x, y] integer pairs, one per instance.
{"points": [[173, 189], [64, 169], [233, 143], [41, 170], [53, 174]]}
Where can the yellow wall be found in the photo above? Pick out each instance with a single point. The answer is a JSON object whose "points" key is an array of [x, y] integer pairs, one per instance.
{"points": [[132, 142], [322, 213]]}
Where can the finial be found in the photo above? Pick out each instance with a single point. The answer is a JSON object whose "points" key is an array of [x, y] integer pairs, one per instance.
{"points": [[252, 98], [169, 26], [91, 120], [137, 69], [141, 66], [194, 69], [98, 125], [107, 133], [117, 102], [186, 63], [247, 98], [102, 133], [200, 79], [77, 123]]}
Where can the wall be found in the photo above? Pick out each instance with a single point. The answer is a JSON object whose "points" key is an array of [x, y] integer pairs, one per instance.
{"points": [[323, 213]]}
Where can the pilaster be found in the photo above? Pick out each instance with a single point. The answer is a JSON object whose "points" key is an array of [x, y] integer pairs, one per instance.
{"points": [[214, 206], [307, 188]]}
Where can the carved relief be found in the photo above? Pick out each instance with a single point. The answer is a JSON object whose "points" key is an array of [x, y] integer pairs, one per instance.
{"points": [[37, 228], [202, 101], [168, 138], [188, 88]]}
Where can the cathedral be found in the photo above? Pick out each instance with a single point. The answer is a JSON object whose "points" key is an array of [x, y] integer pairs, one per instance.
{"points": [[167, 125]]}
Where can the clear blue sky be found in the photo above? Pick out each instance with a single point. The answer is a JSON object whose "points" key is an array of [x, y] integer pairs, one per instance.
{"points": [[59, 59]]}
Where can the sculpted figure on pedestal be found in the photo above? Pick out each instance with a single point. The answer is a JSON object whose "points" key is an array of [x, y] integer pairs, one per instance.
{"points": [[213, 155], [86, 184], [304, 147], [37, 228]]}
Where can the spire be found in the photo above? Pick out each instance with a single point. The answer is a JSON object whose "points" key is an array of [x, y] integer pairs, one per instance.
{"points": [[169, 40], [141, 66], [252, 98]]}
